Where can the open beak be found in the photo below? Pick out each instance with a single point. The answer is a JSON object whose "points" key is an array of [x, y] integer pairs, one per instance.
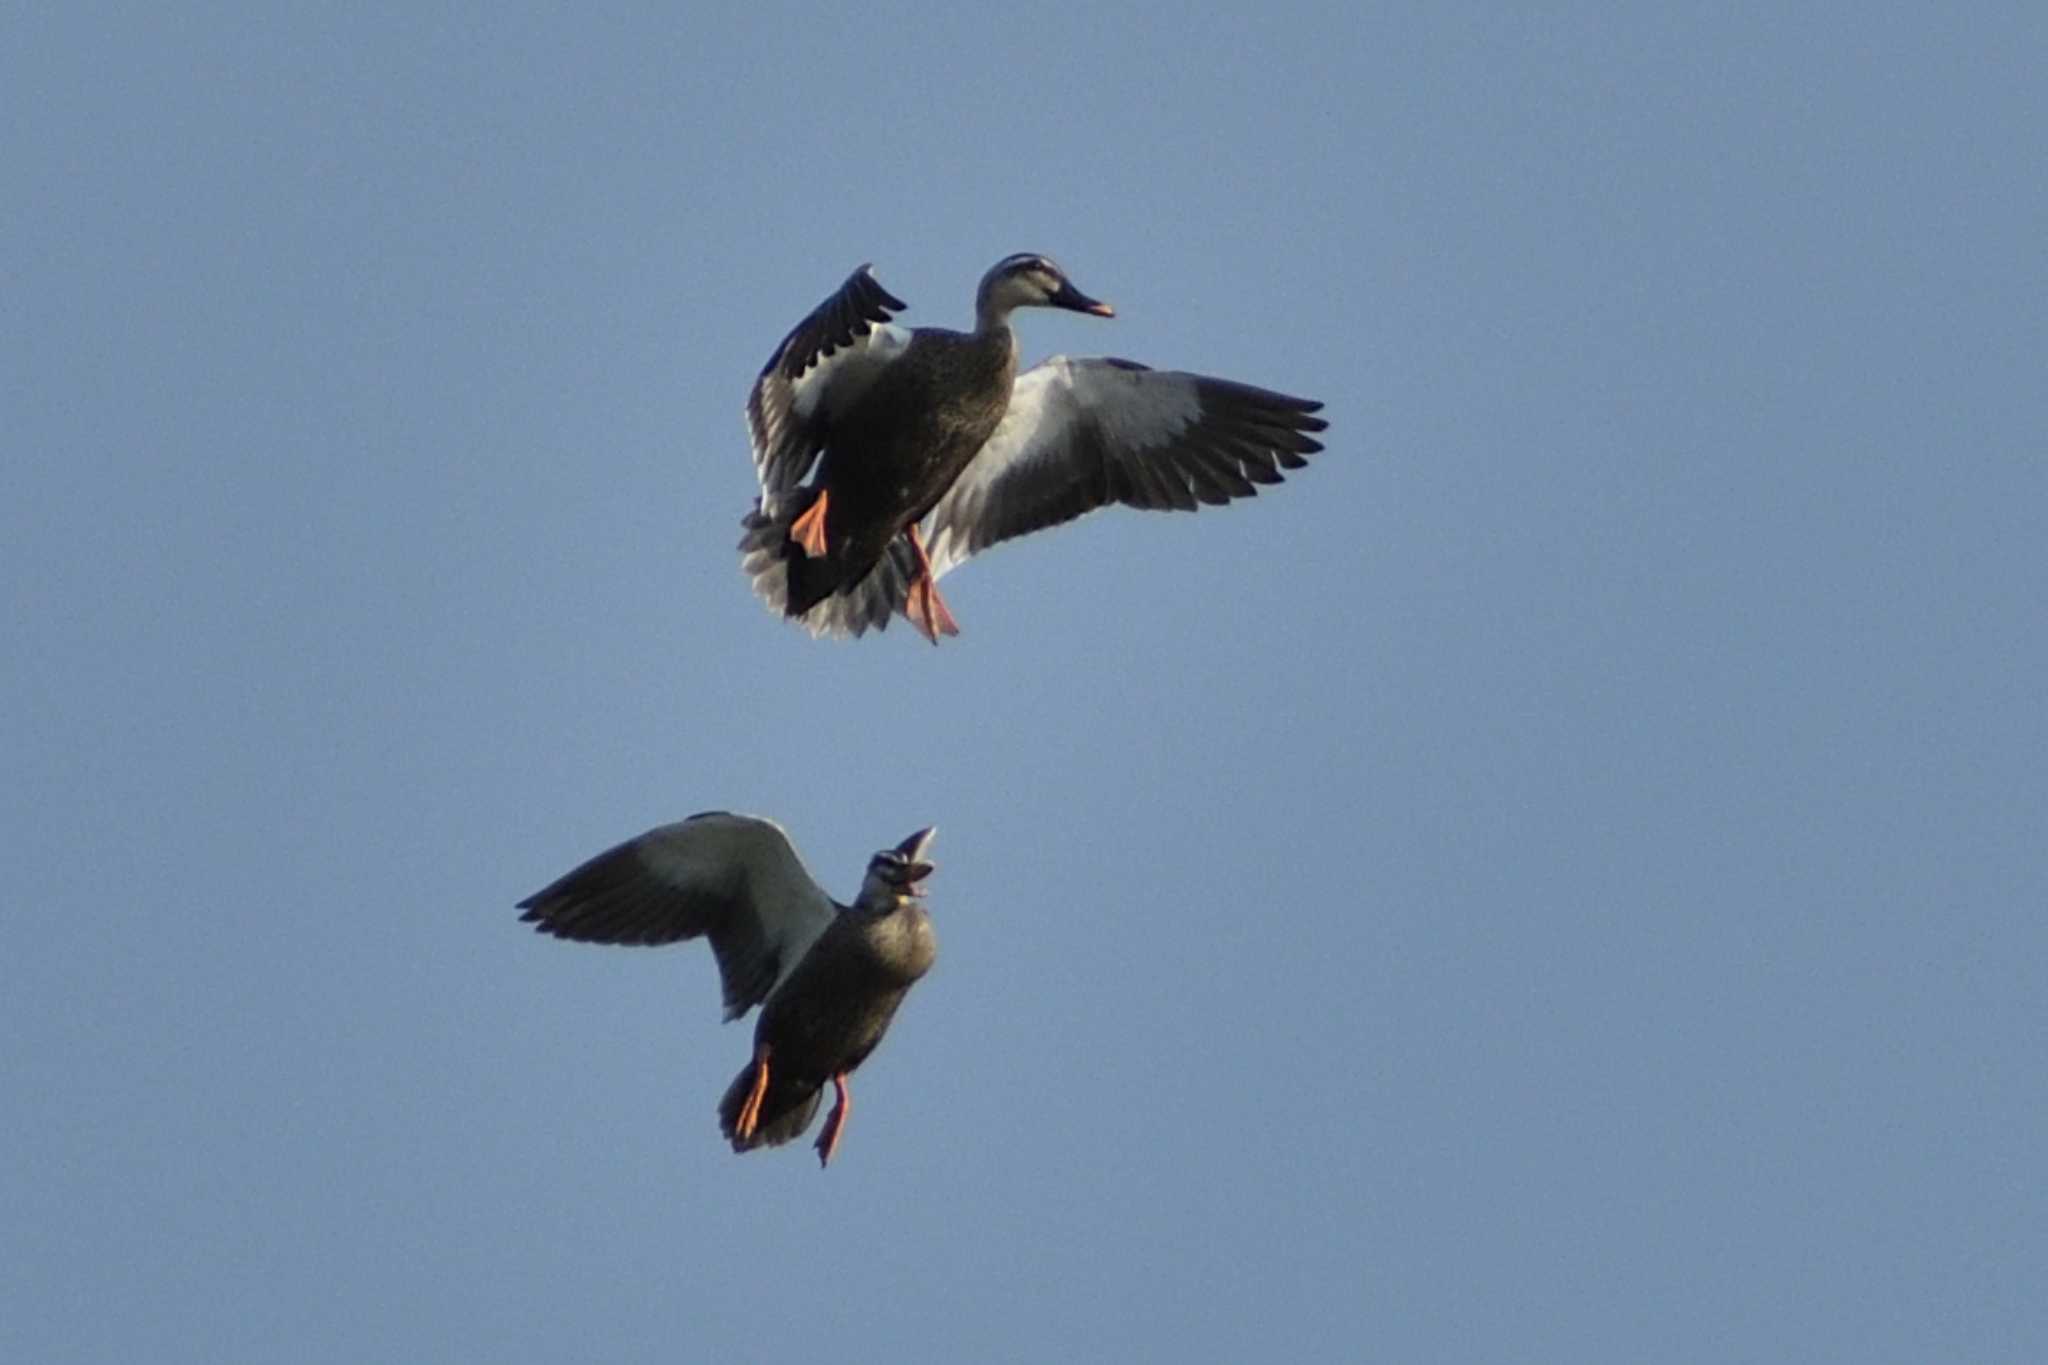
{"points": [[916, 869], [1070, 297]]}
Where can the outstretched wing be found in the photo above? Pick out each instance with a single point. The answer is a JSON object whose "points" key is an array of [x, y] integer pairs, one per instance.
{"points": [[1081, 434], [735, 879], [825, 362]]}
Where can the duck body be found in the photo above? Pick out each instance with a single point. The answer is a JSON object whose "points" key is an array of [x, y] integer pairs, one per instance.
{"points": [[896, 449], [827, 1016]]}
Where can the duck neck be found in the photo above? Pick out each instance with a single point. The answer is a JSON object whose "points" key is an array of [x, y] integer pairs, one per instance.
{"points": [[992, 320]]}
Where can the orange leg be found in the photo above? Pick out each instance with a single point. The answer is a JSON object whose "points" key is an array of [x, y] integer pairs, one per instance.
{"points": [[835, 1122], [808, 530], [750, 1112], [925, 608]]}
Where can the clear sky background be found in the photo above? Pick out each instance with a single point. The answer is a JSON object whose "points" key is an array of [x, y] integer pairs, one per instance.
{"points": [[1562, 878]]}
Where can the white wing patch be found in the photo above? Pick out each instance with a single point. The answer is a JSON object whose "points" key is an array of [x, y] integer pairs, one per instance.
{"points": [[835, 383]]}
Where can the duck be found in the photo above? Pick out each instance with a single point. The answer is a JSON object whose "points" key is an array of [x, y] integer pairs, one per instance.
{"points": [[828, 978], [888, 456]]}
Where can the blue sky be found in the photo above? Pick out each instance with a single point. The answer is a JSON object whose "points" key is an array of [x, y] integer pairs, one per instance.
{"points": [[1559, 879]]}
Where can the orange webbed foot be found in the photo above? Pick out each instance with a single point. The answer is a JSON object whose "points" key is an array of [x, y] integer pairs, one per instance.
{"points": [[923, 605], [835, 1122], [927, 611], [750, 1113], [808, 530]]}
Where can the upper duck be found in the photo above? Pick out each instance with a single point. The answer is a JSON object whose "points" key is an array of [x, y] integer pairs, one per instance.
{"points": [[924, 446], [828, 977]]}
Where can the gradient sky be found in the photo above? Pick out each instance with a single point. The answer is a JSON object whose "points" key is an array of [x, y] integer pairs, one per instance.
{"points": [[1561, 878]]}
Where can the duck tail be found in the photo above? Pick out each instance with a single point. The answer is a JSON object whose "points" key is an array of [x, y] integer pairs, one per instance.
{"points": [[814, 592], [786, 1110]]}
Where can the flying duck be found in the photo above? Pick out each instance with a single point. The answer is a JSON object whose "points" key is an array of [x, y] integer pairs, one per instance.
{"points": [[925, 446], [828, 977]]}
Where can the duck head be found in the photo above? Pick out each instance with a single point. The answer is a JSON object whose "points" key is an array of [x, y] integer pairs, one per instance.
{"points": [[896, 875], [1029, 280]]}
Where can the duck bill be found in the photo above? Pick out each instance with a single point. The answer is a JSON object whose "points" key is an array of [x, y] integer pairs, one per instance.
{"points": [[1070, 297], [915, 869]]}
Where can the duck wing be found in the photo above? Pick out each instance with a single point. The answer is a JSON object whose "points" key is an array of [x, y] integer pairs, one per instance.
{"points": [[735, 879], [1084, 433], [825, 363]]}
